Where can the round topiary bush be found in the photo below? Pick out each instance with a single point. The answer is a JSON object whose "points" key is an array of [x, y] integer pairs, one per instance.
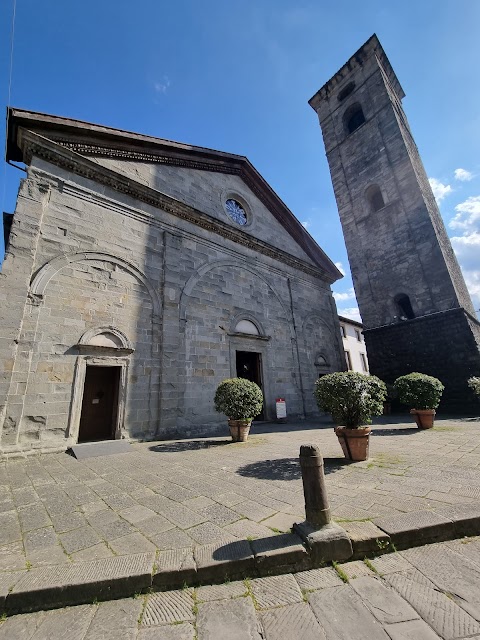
{"points": [[474, 384], [238, 399], [352, 398], [419, 391]]}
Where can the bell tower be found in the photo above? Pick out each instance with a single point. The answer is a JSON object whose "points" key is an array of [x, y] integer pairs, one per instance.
{"points": [[412, 297]]}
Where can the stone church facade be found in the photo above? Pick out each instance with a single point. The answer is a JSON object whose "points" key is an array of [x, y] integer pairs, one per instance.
{"points": [[139, 273], [415, 306]]}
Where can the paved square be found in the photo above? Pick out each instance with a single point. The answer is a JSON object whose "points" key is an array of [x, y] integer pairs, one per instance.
{"points": [[187, 493]]}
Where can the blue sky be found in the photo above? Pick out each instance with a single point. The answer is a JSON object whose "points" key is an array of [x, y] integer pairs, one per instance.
{"points": [[237, 76]]}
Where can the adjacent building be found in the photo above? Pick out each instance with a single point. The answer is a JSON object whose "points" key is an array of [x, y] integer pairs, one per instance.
{"points": [[354, 347]]}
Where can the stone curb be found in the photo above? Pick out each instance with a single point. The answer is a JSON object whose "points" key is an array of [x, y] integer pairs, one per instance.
{"points": [[425, 527], [124, 576]]}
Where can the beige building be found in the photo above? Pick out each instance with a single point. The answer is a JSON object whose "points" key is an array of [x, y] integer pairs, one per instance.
{"points": [[354, 345]]}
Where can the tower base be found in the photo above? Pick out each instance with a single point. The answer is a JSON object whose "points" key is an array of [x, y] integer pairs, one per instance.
{"points": [[444, 344]]}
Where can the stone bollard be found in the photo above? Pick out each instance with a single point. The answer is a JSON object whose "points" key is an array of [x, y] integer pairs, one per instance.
{"points": [[325, 540], [317, 510]]}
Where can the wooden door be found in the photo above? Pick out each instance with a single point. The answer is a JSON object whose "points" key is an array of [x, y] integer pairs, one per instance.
{"points": [[249, 366], [100, 404]]}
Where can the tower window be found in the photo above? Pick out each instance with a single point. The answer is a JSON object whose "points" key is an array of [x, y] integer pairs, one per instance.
{"points": [[404, 307], [353, 118], [375, 198], [346, 91]]}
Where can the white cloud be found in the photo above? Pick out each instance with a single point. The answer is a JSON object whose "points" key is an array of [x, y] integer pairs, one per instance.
{"points": [[467, 244], [350, 312], [339, 266], [440, 190], [467, 216], [346, 295], [463, 175], [306, 223], [161, 86]]}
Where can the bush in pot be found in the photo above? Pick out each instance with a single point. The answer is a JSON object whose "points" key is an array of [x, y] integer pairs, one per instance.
{"points": [[240, 400], [474, 384], [352, 399], [422, 393]]}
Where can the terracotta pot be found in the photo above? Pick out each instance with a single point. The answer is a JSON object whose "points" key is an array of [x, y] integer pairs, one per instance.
{"points": [[423, 417], [354, 442], [239, 429]]}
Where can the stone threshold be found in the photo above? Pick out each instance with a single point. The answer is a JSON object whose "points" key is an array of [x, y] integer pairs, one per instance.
{"points": [[124, 576]]}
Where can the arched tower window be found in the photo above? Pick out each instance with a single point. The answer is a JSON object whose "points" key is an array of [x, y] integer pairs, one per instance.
{"points": [[353, 117], [375, 198], [404, 306]]}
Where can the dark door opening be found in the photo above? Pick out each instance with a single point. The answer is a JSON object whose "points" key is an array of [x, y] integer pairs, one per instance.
{"points": [[249, 366], [100, 404]]}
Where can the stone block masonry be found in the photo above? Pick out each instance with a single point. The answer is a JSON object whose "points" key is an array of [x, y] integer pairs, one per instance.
{"points": [[442, 345], [131, 268], [414, 304]]}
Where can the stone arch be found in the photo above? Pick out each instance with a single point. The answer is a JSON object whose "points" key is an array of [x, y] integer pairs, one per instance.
{"points": [[123, 341], [328, 349], [250, 317], [49, 269], [195, 278], [316, 319]]}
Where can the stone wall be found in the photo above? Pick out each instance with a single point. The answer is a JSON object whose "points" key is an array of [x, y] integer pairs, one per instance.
{"points": [[83, 256], [442, 345]]}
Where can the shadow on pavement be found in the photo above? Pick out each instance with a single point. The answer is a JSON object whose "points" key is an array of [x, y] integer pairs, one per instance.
{"points": [[240, 549], [286, 468], [178, 446], [395, 432]]}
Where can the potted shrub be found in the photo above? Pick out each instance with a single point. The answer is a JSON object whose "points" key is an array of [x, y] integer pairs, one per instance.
{"points": [[352, 399], [422, 393], [474, 384], [240, 400]]}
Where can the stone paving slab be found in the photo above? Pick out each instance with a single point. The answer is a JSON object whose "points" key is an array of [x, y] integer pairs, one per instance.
{"points": [[436, 608], [403, 605], [184, 495]]}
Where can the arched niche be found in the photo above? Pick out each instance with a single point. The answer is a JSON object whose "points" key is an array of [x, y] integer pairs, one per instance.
{"points": [[322, 364], [246, 325], [49, 269], [196, 277], [105, 340]]}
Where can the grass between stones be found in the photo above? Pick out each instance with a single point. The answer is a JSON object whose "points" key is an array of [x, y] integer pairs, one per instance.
{"points": [[341, 573], [370, 566]]}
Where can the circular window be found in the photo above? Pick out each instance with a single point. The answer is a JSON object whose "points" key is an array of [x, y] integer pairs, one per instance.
{"points": [[236, 212]]}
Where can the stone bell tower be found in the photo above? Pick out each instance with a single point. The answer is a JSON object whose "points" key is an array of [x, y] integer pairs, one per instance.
{"points": [[414, 303]]}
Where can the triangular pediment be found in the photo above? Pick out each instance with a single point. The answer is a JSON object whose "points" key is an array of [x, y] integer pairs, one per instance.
{"points": [[131, 155]]}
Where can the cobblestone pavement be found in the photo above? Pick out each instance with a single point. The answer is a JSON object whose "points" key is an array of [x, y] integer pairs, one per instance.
{"points": [[419, 594], [180, 494]]}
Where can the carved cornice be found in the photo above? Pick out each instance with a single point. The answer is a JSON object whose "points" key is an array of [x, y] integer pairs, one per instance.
{"points": [[33, 144], [239, 166]]}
